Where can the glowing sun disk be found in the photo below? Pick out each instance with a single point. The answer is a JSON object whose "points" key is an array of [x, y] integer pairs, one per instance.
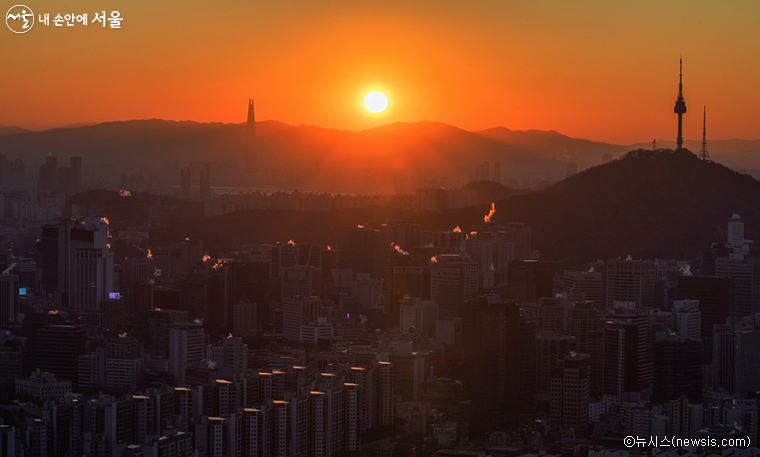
{"points": [[375, 102]]}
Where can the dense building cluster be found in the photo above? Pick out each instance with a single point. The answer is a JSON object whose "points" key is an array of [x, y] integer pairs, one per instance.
{"points": [[397, 341]]}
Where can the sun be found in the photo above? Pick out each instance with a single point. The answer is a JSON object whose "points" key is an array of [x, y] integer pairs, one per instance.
{"points": [[375, 102]]}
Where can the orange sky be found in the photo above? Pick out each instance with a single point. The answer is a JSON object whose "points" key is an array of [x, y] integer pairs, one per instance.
{"points": [[602, 70]]}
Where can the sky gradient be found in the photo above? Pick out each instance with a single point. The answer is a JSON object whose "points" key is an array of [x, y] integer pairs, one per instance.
{"points": [[601, 70]]}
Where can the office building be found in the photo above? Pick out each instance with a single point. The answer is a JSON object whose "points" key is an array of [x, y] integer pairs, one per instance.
{"points": [[687, 319], [418, 316], [735, 231], [630, 281], [499, 361], [626, 356], [570, 391], [58, 348], [736, 355], [715, 297], [453, 280], [550, 347], [584, 285], [296, 312], [677, 369], [745, 272], [530, 280], [9, 299], [77, 263]]}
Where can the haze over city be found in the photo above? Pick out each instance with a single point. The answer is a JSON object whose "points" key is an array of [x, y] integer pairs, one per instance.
{"points": [[380, 229]]}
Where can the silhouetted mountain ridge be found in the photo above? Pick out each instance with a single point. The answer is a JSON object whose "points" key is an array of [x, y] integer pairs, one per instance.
{"points": [[394, 157], [647, 204], [397, 157], [7, 130]]}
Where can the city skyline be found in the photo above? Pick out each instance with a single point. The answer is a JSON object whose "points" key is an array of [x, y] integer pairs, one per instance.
{"points": [[588, 70], [440, 229]]}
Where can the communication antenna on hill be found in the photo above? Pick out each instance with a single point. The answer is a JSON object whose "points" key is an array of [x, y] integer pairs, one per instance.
{"points": [[654, 144], [703, 154], [680, 107]]}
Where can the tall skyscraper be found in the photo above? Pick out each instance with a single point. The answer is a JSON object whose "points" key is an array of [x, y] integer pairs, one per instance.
{"points": [[677, 368], [185, 183], [745, 272], [9, 299], [296, 312], [299, 280], [529, 280], [550, 347], [49, 174], [250, 281], [91, 265], [453, 280], [715, 296], [680, 107], [515, 232], [418, 316], [160, 323], [630, 281], [735, 355], [250, 126], [492, 249], [735, 231], [251, 147], [570, 391], [498, 350], [362, 251], [75, 174], [626, 354], [687, 319], [408, 281], [7, 440], [77, 264], [58, 348], [550, 315], [205, 182], [208, 299], [581, 321]]}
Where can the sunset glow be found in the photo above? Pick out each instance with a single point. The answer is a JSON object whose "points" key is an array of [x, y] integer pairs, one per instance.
{"points": [[588, 69]]}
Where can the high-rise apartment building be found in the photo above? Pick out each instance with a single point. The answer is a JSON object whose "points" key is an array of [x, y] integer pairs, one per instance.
{"points": [[186, 345]]}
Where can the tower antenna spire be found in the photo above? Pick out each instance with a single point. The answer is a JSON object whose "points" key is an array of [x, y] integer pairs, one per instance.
{"points": [[703, 154], [680, 107]]}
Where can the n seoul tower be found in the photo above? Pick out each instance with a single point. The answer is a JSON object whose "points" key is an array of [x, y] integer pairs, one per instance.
{"points": [[680, 108]]}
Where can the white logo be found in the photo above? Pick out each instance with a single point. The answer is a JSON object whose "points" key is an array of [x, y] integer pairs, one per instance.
{"points": [[21, 19]]}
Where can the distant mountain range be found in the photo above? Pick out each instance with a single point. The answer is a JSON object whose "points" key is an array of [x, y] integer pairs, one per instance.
{"points": [[647, 204], [397, 157]]}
